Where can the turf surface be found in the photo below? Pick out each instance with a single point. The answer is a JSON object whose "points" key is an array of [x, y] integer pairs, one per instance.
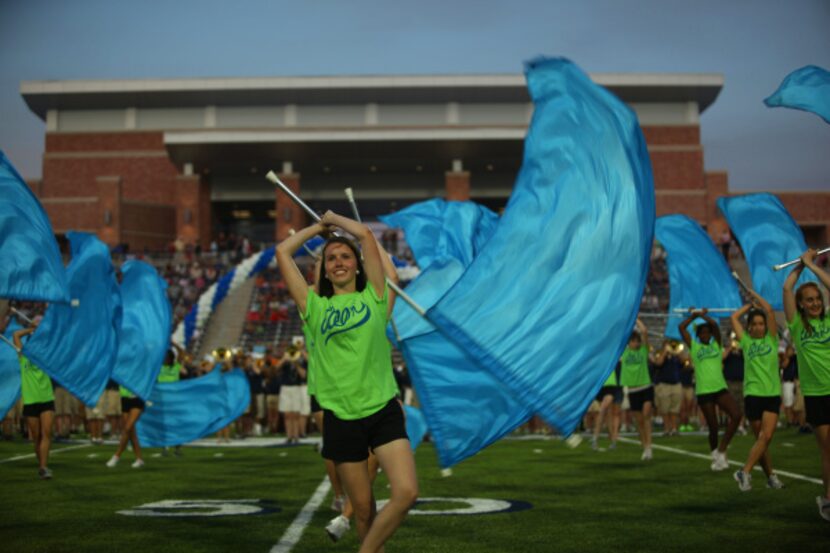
{"points": [[582, 500]]}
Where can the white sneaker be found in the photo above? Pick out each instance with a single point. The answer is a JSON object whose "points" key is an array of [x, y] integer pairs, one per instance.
{"points": [[337, 527], [719, 461], [113, 461], [138, 463], [823, 507], [743, 479], [338, 503], [646, 454], [774, 483]]}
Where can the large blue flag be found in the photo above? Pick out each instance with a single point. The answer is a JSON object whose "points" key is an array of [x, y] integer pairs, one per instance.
{"points": [[9, 372], [144, 336], [551, 321], [183, 411], [807, 89], [698, 273], [768, 236], [30, 262], [416, 426], [76, 343], [426, 226]]}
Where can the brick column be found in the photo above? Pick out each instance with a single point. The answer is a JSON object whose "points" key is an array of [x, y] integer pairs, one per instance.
{"points": [[192, 222], [289, 214], [457, 185], [109, 209]]}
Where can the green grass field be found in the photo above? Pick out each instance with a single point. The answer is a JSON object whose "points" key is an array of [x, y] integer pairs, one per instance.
{"points": [[581, 500]]}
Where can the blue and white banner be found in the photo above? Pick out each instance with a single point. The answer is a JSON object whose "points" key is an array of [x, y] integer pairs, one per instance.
{"points": [[805, 89]]}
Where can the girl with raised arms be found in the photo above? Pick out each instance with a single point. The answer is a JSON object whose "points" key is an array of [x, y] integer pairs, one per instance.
{"points": [[353, 379]]}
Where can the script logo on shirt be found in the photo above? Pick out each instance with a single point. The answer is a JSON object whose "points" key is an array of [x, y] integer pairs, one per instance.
{"points": [[337, 321], [707, 352], [758, 349], [820, 335]]}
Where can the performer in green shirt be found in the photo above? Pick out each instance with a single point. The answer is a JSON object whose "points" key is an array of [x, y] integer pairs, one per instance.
{"points": [[353, 380], [707, 355], [810, 331], [634, 375], [762, 385]]}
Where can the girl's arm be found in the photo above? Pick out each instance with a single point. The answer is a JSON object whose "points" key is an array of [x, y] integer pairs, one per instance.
{"points": [[391, 273], [790, 307], [808, 259], [684, 332], [372, 263], [772, 324], [19, 334], [715, 326], [294, 280], [736, 321]]}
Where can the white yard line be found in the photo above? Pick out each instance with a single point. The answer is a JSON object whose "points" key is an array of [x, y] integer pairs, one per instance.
{"points": [[294, 532], [52, 452], [792, 475]]}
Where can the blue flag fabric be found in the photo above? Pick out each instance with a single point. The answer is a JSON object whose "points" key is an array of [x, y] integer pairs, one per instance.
{"points": [[698, 273], [551, 322], [180, 412], [144, 336], [806, 89], [31, 267], [425, 225], [416, 426], [9, 373], [768, 236], [76, 343]]}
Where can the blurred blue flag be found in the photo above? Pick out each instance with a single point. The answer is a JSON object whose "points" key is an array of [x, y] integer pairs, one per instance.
{"points": [[768, 236], [437, 229], [806, 89], [180, 412], [31, 267], [76, 343], [698, 273], [550, 321], [144, 336], [416, 426], [9, 372]]}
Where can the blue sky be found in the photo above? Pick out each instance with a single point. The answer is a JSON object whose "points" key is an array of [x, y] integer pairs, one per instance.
{"points": [[754, 44]]}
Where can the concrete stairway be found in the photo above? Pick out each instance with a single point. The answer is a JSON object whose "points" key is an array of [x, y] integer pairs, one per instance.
{"points": [[226, 324]]}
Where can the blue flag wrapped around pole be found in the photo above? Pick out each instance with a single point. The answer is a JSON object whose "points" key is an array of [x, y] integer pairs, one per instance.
{"points": [[9, 372], [31, 267], [144, 336], [698, 273], [551, 322], [805, 89], [768, 236], [180, 412], [76, 343]]}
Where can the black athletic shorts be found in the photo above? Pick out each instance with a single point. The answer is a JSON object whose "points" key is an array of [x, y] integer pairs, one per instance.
{"points": [[128, 403], [615, 391], [315, 407], [703, 399], [35, 409], [349, 441], [636, 400], [754, 406], [817, 409]]}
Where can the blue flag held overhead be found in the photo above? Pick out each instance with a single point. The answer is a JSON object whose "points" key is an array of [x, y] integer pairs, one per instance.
{"points": [[9, 372], [768, 236], [180, 412], [550, 321], [31, 267], [805, 89], [698, 273], [76, 343], [144, 336]]}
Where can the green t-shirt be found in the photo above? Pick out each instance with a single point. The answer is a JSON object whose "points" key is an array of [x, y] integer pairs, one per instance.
{"points": [[708, 362], [813, 351], [612, 379], [125, 392], [170, 373], [350, 355], [35, 385], [761, 376], [635, 367]]}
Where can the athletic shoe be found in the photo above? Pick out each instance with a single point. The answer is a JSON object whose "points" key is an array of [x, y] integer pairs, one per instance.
{"points": [[137, 464], [743, 479], [612, 445], [44, 473], [338, 503], [113, 461], [646, 454], [823, 507], [719, 461], [594, 444], [774, 483], [337, 527]]}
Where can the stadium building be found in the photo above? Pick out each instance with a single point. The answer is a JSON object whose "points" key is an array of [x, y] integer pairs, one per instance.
{"points": [[143, 162]]}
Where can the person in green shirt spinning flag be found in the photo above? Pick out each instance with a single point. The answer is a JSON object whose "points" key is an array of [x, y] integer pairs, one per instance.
{"points": [[38, 403], [762, 385], [810, 330], [353, 379], [634, 375], [707, 355]]}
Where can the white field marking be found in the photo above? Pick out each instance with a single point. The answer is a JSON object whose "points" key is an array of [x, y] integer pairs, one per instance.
{"points": [[788, 444], [219, 455], [52, 452], [155, 455], [92, 456], [537, 451], [792, 475], [294, 532]]}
